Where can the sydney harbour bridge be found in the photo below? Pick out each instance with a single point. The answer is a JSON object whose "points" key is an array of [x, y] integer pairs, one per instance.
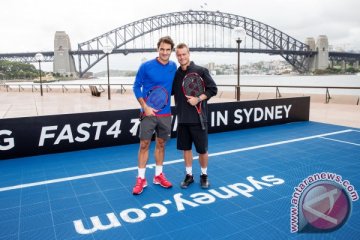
{"points": [[203, 31]]}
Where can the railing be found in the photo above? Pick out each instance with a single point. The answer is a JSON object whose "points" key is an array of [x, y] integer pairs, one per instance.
{"points": [[65, 88], [278, 94]]}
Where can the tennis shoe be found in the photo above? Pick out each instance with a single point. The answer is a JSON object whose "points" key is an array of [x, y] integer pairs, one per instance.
{"points": [[204, 181], [189, 179], [139, 186], [162, 181]]}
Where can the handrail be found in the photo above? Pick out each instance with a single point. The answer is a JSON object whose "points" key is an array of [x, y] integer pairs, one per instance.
{"points": [[219, 85], [278, 94], [48, 88], [287, 86], [64, 88], [82, 88], [122, 88]]}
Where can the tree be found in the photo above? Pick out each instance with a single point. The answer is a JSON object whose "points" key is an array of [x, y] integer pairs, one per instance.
{"points": [[17, 70]]}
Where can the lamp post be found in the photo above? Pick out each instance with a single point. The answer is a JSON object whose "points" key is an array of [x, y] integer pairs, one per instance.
{"points": [[239, 34], [39, 57], [107, 49]]}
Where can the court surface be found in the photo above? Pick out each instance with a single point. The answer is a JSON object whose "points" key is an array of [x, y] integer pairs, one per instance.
{"points": [[253, 175]]}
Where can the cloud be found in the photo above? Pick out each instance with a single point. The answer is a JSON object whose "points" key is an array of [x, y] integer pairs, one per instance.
{"points": [[30, 25]]}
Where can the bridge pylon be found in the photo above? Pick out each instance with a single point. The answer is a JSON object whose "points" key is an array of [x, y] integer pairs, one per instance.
{"points": [[320, 60], [322, 56], [310, 41], [63, 61]]}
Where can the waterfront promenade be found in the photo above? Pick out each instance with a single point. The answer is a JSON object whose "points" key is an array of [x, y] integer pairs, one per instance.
{"points": [[62, 195], [341, 110]]}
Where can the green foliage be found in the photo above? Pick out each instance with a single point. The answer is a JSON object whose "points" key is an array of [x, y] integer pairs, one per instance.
{"points": [[17, 70], [334, 70], [352, 70]]}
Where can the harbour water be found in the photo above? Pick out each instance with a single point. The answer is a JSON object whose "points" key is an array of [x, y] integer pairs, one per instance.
{"points": [[352, 81]]}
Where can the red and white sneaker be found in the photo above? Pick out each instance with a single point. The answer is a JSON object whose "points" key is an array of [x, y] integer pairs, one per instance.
{"points": [[139, 186], [161, 179]]}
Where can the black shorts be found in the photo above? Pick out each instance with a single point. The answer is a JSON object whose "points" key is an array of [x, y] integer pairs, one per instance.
{"points": [[188, 134]]}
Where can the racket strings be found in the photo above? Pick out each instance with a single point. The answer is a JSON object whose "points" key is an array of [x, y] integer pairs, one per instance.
{"points": [[193, 86], [157, 98]]}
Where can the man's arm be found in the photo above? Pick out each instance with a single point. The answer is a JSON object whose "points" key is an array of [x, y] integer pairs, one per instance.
{"points": [[149, 111], [137, 89], [210, 86]]}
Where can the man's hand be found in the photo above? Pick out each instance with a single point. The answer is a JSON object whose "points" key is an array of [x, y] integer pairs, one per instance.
{"points": [[193, 101], [149, 111]]}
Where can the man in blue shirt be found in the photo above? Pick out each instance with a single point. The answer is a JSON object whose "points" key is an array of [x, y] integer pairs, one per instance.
{"points": [[158, 72]]}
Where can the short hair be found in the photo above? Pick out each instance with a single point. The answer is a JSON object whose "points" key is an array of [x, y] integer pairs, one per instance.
{"points": [[182, 45], [166, 39]]}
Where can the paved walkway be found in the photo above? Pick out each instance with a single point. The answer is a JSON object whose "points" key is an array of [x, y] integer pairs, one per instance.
{"points": [[342, 110]]}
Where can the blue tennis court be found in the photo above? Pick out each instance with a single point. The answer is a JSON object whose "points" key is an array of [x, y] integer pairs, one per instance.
{"points": [[260, 189]]}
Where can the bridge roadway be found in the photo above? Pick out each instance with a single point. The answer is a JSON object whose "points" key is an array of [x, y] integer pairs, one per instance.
{"points": [[49, 55]]}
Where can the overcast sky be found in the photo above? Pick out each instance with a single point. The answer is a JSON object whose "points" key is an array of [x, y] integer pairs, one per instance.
{"points": [[30, 25]]}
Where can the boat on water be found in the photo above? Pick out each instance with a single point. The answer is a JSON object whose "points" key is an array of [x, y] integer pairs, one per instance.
{"points": [[45, 81], [48, 78]]}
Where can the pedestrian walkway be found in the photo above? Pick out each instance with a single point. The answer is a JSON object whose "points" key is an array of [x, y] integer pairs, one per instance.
{"points": [[24, 104]]}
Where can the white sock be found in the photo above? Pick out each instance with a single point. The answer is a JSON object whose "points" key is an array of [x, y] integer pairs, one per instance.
{"points": [[141, 173], [158, 170], [188, 170], [204, 170]]}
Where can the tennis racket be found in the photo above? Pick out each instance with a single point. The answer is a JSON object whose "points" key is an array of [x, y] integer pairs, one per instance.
{"points": [[193, 85], [157, 98]]}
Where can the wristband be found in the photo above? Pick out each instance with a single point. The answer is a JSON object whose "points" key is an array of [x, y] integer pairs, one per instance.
{"points": [[199, 99]]}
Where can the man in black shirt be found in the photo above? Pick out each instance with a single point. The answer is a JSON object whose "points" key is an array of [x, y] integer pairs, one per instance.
{"points": [[189, 129]]}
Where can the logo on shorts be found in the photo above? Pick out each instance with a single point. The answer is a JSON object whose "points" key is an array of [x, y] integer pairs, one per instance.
{"points": [[321, 203]]}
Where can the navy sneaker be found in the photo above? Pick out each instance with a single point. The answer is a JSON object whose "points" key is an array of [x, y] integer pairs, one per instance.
{"points": [[204, 182], [189, 179]]}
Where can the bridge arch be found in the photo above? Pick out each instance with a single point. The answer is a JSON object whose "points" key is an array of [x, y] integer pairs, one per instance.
{"points": [[269, 39]]}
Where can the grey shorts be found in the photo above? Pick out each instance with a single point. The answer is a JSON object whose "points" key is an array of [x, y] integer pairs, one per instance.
{"points": [[160, 125]]}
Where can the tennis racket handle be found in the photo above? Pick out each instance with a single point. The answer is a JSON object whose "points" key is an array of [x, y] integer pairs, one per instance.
{"points": [[203, 126]]}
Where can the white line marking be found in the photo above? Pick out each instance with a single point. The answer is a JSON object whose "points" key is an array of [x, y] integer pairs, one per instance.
{"points": [[281, 142], [336, 140], [26, 185]]}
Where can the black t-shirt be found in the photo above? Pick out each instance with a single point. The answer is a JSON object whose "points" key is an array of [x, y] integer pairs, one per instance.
{"points": [[187, 113]]}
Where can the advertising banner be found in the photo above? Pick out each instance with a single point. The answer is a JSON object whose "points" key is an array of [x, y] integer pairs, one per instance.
{"points": [[28, 136]]}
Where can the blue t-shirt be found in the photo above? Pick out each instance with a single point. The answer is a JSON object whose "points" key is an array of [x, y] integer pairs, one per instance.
{"points": [[153, 73]]}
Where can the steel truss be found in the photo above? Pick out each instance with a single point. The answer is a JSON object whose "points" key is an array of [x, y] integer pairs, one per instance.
{"points": [[203, 31], [26, 57], [267, 37]]}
